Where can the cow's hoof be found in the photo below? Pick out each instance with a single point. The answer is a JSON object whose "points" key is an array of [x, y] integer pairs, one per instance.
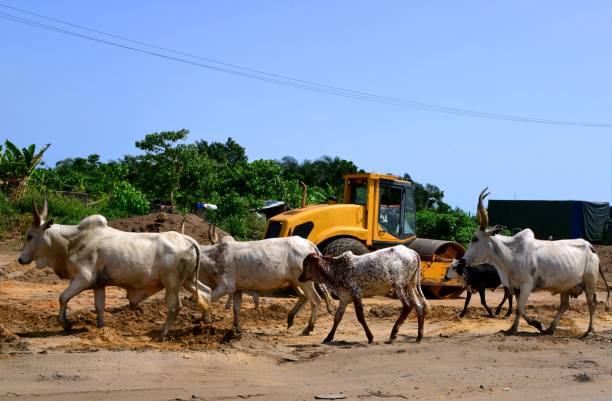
{"points": [[537, 325], [370, 340], [328, 341], [306, 332], [66, 325], [207, 319], [159, 338], [461, 315], [588, 334], [509, 332], [549, 331]]}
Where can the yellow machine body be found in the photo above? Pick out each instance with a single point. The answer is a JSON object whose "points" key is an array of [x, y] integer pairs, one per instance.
{"points": [[378, 211]]}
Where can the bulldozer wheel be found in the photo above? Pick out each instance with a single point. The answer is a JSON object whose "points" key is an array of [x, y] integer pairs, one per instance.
{"points": [[442, 292], [338, 246]]}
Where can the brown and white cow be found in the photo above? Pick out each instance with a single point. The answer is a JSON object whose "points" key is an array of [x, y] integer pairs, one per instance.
{"points": [[352, 277]]}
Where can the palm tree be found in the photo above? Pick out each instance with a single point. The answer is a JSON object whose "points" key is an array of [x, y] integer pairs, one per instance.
{"points": [[16, 167]]}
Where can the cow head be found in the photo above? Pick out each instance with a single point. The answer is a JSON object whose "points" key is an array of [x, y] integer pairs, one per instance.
{"points": [[313, 267], [36, 240], [455, 270], [480, 249]]}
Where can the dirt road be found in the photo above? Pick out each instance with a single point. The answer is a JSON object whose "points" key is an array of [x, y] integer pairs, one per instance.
{"points": [[458, 359]]}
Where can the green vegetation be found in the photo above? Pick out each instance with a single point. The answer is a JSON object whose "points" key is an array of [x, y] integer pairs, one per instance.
{"points": [[170, 170]]}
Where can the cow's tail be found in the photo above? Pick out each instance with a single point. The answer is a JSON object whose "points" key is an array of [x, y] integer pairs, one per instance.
{"points": [[607, 288], [203, 304], [604, 279], [420, 290]]}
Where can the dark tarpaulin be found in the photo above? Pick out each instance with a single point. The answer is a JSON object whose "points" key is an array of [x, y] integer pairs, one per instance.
{"points": [[595, 219], [556, 219]]}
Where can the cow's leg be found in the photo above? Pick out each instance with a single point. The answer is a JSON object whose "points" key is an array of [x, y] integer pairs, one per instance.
{"points": [[76, 286], [173, 303], [228, 304], [589, 291], [483, 301], [499, 307], [564, 304], [467, 302], [237, 299], [99, 300], [314, 299], [510, 296], [415, 295], [525, 291], [359, 312], [255, 296], [406, 308], [329, 301], [337, 320], [297, 308]]}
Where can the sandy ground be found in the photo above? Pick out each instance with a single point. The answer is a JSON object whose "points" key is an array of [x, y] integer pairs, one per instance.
{"points": [[458, 358]]}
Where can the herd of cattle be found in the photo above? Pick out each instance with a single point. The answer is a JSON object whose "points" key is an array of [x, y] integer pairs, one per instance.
{"points": [[92, 256]]}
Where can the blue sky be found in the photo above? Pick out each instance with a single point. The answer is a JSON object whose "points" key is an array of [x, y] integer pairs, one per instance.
{"points": [[545, 59]]}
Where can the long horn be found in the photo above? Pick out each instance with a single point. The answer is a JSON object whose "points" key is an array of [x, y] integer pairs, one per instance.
{"points": [[35, 214], [45, 211], [483, 217]]}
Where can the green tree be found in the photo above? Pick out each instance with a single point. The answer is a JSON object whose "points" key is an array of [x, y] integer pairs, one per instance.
{"points": [[162, 160]]}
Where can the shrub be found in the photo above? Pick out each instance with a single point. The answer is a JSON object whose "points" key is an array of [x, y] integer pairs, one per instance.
{"points": [[127, 198], [454, 225]]}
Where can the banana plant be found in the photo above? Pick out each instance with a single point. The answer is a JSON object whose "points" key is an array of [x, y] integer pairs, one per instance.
{"points": [[16, 167]]}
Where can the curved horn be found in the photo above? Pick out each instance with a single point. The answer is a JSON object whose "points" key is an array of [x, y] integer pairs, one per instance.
{"points": [[483, 217], [45, 211]]}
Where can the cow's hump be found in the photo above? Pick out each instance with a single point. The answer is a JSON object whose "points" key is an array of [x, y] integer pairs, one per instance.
{"points": [[91, 222]]}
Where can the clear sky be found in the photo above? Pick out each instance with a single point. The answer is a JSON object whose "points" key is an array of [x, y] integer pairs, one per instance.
{"points": [[544, 59]]}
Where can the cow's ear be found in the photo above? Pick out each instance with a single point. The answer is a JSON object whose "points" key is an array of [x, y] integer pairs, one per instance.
{"points": [[47, 224], [495, 230]]}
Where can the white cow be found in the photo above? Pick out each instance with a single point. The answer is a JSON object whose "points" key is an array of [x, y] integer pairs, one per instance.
{"points": [[92, 256], [567, 267], [231, 267]]}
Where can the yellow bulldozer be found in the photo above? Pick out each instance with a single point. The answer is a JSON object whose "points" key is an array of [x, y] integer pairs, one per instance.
{"points": [[378, 211]]}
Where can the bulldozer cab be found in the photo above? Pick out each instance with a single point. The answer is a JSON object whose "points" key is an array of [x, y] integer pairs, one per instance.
{"points": [[389, 206]]}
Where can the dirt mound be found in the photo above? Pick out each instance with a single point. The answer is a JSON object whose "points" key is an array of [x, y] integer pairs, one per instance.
{"points": [[10, 342], [195, 227]]}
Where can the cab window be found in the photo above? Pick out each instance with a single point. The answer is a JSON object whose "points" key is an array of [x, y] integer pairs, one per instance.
{"points": [[359, 193], [409, 214], [389, 215]]}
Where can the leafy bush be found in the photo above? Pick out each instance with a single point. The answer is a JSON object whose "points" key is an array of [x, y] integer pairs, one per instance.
{"points": [[127, 198], [63, 209], [454, 225]]}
